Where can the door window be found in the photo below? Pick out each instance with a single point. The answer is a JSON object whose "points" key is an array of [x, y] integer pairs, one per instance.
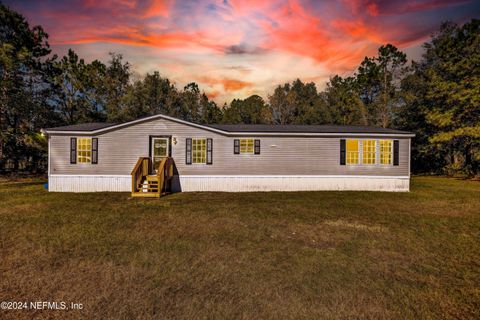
{"points": [[159, 151]]}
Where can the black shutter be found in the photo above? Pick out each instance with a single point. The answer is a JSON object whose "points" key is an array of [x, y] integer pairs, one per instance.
{"points": [[343, 152], [188, 151], [209, 151], [73, 150], [236, 146], [395, 152], [94, 150], [257, 146]]}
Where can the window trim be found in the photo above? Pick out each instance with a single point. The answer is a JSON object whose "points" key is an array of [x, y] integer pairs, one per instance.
{"points": [[199, 163], [375, 152], [380, 152], [78, 150], [360, 153], [240, 146], [359, 146]]}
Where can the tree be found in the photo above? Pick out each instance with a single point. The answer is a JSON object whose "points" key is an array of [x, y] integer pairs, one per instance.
{"points": [[379, 83], [150, 95], [116, 85], [23, 91], [368, 84], [252, 110], [158, 92], [411, 116], [450, 76], [190, 102], [298, 103], [282, 104], [210, 112], [78, 89], [343, 99]]}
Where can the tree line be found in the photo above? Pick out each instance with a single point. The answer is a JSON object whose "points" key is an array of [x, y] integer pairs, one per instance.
{"points": [[437, 98]]}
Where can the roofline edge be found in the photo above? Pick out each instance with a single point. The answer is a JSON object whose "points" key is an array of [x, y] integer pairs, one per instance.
{"points": [[223, 132]]}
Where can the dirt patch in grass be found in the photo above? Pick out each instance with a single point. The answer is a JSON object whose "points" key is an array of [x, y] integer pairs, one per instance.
{"points": [[354, 225]]}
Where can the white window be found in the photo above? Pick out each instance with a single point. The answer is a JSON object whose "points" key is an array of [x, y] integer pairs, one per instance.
{"points": [[386, 151], [366, 151], [199, 150], [353, 152], [84, 150], [369, 151], [246, 145]]}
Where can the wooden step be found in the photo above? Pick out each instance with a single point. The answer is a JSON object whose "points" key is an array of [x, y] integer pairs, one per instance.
{"points": [[145, 195], [152, 179], [155, 185]]}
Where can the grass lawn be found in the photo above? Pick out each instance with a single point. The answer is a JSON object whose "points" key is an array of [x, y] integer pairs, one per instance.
{"points": [[318, 255]]}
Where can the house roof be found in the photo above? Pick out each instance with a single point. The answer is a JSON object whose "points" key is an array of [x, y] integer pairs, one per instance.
{"points": [[236, 130], [272, 128], [83, 127]]}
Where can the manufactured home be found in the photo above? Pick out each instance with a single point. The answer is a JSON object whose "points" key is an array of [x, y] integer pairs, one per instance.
{"points": [[159, 153]]}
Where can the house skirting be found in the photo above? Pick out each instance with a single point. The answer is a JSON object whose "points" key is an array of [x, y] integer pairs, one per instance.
{"points": [[190, 183], [89, 183]]}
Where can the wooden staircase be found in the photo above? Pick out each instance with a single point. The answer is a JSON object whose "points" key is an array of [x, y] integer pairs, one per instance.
{"points": [[148, 183]]}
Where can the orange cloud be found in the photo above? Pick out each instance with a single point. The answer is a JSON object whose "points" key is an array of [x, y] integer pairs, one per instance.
{"points": [[158, 7], [246, 6], [297, 31], [359, 30], [229, 84], [213, 94], [235, 85]]}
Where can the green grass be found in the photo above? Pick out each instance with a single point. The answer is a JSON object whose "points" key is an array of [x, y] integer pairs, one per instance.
{"points": [[317, 255]]}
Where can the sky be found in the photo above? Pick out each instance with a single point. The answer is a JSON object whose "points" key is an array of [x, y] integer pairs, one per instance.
{"points": [[235, 48]]}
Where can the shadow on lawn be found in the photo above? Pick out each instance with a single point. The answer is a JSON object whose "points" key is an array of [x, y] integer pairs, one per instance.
{"points": [[11, 184]]}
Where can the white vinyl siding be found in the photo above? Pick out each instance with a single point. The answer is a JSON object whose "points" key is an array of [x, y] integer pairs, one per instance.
{"points": [[120, 149]]}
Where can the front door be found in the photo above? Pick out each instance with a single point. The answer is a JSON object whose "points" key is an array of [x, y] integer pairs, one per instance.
{"points": [[160, 149]]}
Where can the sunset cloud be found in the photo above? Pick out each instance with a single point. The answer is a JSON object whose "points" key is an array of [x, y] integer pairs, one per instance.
{"points": [[227, 83], [157, 8], [239, 47]]}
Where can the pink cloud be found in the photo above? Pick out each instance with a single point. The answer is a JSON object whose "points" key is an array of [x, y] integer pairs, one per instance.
{"points": [[372, 9], [223, 39], [158, 7]]}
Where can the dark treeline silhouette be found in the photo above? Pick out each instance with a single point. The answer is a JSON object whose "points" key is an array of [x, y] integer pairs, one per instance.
{"points": [[437, 98]]}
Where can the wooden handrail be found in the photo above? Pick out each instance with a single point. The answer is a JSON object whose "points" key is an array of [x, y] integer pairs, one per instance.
{"points": [[164, 174], [140, 171], [143, 168], [139, 162]]}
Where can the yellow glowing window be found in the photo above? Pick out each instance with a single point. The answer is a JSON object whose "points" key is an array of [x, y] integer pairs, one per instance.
{"points": [[369, 151], [84, 150], [199, 150], [352, 152], [246, 145], [386, 148]]}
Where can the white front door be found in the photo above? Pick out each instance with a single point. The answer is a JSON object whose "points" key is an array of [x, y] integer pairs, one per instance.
{"points": [[159, 150]]}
